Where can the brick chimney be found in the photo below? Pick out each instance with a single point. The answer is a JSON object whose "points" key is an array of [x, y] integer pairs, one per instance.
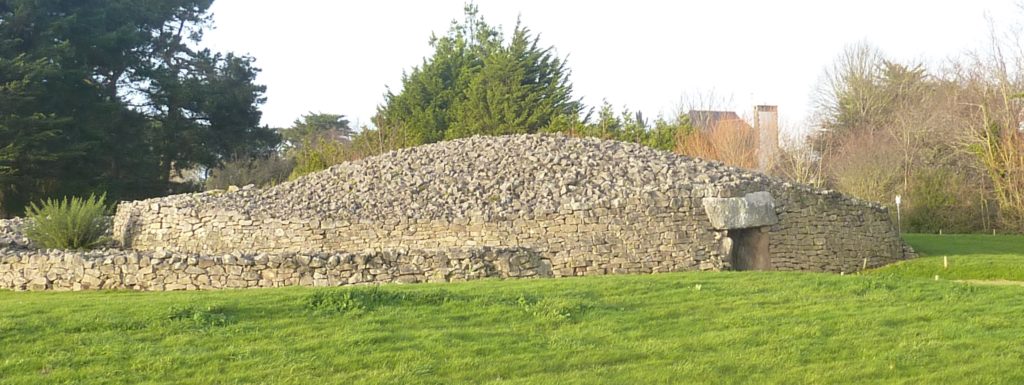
{"points": [[766, 124]]}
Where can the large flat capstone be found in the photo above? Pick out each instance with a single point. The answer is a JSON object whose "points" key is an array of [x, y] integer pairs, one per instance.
{"points": [[752, 210]]}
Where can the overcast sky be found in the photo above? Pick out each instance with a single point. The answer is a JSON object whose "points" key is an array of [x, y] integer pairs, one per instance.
{"points": [[339, 56]]}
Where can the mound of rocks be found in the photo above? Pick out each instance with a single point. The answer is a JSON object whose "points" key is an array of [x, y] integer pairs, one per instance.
{"points": [[511, 206], [12, 233], [585, 206], [517, 176]]}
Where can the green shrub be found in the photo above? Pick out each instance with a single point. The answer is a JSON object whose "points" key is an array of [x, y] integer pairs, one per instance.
{"points": [[319, 155], [262, 172], [943, 200], [363, 299], [553, 310], [354, 300], [198, 317], [71, 223]]}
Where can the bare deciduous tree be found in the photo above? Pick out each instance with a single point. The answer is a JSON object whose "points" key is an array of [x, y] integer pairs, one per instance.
{"points": [[732, 142], [991, 87], [798, 162]]}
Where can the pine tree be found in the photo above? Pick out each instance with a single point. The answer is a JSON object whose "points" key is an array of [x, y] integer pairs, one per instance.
{"points": [[112, 95], [475, 83]]}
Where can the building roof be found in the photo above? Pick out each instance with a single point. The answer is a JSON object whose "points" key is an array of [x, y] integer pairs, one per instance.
{"points": [[707, 120]]}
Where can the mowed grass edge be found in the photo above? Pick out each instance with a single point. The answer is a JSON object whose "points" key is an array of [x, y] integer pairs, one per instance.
{"points": [[668, 328], [962, 257]]}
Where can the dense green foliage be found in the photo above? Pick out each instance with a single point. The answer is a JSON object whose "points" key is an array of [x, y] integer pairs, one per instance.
{"points": [[968, 257], [69, 223], [942, 203], [114, 96], [321, 154], [694, 328], [313, 127], [628, 127], [476, 83], [314, 142], [317, 141]]}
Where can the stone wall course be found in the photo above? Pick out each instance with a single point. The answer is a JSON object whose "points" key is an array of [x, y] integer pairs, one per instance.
{"points": [[30, 269]]}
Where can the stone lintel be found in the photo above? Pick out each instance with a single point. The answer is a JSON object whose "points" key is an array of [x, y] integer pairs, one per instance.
{"points": [[755, 209]]}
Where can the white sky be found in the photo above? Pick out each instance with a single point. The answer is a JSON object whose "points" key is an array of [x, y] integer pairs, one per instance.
{"points": [[338, 56]]}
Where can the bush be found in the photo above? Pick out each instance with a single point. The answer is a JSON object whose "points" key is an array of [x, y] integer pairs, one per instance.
{"points": [[71, 223], [261, 172], [319, 155], [943, 200]]}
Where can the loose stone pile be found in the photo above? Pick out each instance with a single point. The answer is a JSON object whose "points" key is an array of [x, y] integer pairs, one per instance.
{"points": [[12, 233], [569, 206], [524, 176], [518, 176]]}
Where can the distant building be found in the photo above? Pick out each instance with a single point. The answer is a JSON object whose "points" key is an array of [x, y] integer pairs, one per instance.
{"points": [[707, 121], [765, 129]]}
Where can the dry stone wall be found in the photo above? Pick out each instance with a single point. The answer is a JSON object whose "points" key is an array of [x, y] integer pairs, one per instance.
{"points": [[27, 269], [587, 206], [569, 206], [637, 237], [826, 231]]}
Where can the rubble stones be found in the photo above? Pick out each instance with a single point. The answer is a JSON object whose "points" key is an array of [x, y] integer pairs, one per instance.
{"points": [[558, 206], [23, 269], [12, 235]]}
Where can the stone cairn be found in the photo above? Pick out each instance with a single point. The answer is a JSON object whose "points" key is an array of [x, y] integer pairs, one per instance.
{"points": [[509, 206]]}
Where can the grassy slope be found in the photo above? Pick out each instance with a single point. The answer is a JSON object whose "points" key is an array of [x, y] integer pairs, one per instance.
{"points": [[737, 328], [984, 257]]}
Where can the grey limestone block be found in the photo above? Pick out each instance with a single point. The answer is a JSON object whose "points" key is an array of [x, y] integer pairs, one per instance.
{"points": [[755, 209]]}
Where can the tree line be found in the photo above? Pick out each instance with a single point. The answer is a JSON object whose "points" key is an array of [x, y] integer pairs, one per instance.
{"points": [[947, 139], [114, 96], [117, 97], [477, 82]]}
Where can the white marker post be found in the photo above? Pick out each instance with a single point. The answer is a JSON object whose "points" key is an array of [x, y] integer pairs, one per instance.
{"points": [[899, 224]]}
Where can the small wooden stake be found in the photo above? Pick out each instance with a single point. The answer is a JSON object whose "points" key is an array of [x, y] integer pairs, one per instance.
{"points": [[936, 277], [865, 264], [945, 262]]}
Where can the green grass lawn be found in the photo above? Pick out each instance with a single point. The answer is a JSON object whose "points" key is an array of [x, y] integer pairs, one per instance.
{"points": [[970, 257], [680, 328]]}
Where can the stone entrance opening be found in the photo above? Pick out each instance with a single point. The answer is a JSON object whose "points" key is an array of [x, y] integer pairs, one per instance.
{"points": [[746, 221], [750, 249]]}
